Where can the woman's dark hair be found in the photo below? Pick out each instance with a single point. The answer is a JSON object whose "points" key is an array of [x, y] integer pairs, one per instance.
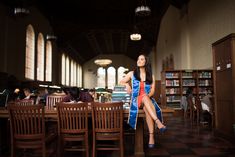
{"points": [[148, 69]]}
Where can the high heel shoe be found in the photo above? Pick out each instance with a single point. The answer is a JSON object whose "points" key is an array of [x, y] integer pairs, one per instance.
{"points": [[151, 145], [163, 129]]}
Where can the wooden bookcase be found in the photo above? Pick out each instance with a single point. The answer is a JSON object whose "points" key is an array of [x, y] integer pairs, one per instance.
{"points": [[223, 63], [174, 84]]}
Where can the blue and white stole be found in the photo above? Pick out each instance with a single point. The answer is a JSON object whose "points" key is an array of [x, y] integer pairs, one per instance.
{"points": [[133, 112]]}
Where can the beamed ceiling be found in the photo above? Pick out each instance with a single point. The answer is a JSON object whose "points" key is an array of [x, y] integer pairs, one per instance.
{"points": [[87, 28]]}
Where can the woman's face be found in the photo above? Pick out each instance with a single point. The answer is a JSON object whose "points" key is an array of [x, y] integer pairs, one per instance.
{"points": [[141, 61]]}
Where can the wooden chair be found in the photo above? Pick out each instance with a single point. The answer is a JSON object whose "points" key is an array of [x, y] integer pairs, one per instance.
{"points": [[107, 126], [191, 109], [198, 110], [51, 100], [28, 130], [73, 127]]}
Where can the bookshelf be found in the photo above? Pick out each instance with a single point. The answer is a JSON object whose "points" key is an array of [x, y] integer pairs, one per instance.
{"points": [[174, 84], [205, 82], [172, 89]]}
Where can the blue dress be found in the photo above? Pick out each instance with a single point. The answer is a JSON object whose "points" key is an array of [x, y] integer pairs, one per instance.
{"points": [[133, 112]]}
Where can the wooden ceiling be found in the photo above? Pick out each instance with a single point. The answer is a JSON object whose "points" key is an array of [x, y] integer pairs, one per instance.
{"points": [[87, 28]]}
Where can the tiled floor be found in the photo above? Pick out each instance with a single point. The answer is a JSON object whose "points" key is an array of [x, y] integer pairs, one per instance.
{"points": [[181, 140], [185, 140]]}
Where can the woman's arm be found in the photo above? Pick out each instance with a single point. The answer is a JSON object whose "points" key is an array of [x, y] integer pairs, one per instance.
{"points": [[152, 90], [125, 81]]}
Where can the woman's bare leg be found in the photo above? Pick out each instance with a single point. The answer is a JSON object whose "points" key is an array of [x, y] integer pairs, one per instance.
{"points": [[149, 107], [150, 124]]}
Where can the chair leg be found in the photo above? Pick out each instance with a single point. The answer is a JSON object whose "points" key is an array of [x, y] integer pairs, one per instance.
{"points": [[58, 147], [60, 150], [12, 151], [44, 150], [121, 147], [198, 117], [87, 146], [93, 147]]}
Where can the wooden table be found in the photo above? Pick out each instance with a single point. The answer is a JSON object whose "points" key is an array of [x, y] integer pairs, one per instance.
{"points": [[139, 133]]}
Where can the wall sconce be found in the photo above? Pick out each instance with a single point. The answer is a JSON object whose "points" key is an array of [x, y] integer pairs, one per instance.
{"points": [[51, 37], [21, 11]]}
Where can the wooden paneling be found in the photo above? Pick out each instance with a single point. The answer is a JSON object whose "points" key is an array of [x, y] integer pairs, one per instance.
{"points": [[223, 63]]}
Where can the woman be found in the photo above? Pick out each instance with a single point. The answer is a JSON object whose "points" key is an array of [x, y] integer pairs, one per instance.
{"points": [[142, 90]]}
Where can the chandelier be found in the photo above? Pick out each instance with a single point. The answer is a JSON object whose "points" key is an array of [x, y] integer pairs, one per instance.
{"points": [[135, 36], [143, 9], [51, 37], [103, 62], [21, 11]]}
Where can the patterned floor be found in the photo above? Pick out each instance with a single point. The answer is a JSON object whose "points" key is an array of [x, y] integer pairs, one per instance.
{"points": [[185, 140]]}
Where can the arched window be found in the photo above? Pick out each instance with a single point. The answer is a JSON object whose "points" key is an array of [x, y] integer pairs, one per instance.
{"points": [[80, 82], [67, 72], [40, 58], [30, 53], [111, 77], [48, 61], [121, 73], [79, 75], [71, 73], [75, 74], [63, 66], [101, 77]]}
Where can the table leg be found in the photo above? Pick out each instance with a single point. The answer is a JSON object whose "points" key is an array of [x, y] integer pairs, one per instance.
{"points": [[139, 138]]}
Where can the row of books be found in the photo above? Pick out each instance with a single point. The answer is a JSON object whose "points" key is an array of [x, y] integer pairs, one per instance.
{"points": [[189, 82], [120, 94], [172, 75], [173, 98], [172, 82]]}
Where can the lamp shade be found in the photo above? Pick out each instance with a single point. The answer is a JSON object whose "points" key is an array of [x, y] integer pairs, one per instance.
{"points": [[143, 9], [103, 62], [135, 36], [21, 11], [51, 37]]}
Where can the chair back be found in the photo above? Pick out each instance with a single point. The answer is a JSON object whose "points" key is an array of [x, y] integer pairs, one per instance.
{"points": [[198, 104], [199, 109], [191, 109], [51, 100], [27, 125], [73, 126], [72, 117], [107, 125], [25, 102], [107, 117]]}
